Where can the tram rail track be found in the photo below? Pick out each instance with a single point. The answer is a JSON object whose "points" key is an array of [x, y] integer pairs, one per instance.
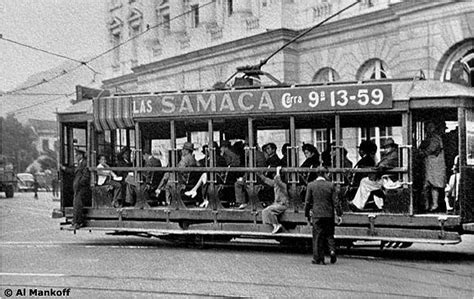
{"points": [[177, 281]]}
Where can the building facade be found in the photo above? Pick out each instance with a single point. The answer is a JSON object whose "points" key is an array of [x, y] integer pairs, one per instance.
{"points": [[192, 44]]}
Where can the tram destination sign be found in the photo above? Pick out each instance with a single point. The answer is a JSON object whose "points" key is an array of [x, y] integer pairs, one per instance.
{"points": [[272, 100]]}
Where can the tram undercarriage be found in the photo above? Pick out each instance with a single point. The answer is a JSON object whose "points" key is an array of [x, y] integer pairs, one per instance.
{"points": [[391, 229]]}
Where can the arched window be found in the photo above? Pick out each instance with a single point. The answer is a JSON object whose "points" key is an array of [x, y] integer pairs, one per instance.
{"points": [[326, 74], [459, 66], [135, 19], [373, 69], [115, 28]]}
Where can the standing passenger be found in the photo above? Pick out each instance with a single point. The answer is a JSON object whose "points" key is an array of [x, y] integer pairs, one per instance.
{"points": [[435, 168], [452, 188], [321, 202], [81, 187]]}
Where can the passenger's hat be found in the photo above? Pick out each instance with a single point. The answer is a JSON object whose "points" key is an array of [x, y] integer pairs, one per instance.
{"points": [[225, 143], [271, 145], [368, 146], [79, 151], [389, 142], [188, 146]]}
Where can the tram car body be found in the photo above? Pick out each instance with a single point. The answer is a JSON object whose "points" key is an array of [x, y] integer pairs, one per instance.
{"points": [[103, 124]]}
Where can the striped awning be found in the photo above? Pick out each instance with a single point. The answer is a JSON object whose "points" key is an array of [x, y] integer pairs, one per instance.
{"points": [[113, 113]]}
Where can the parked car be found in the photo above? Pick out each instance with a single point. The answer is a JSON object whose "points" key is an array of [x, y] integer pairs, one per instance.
{"points": [[26, 182]]}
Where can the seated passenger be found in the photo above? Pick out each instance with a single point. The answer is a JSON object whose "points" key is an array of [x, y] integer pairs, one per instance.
{"points": [[266, 194], [187, 160], [271, 157], [312, 161], [240, 186], [327, 156], [202, 182], [373, 183], [152, 178], [270, 214], [284, 159], [110, 179], [366, 150]]}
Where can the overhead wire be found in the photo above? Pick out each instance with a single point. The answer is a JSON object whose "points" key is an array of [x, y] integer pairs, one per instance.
{"points": [[38, 49], [44, 102], [85, 63]]}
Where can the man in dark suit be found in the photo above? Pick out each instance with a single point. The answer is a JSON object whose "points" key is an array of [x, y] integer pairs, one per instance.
{"points": [[81, 187], [320, 203], [152, 178]]}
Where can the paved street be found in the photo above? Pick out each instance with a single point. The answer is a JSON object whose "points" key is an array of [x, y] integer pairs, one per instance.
{"points": [[35, 254]]}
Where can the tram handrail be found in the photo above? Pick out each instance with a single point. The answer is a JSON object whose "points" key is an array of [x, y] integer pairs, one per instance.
{"points": [[251, 169]]}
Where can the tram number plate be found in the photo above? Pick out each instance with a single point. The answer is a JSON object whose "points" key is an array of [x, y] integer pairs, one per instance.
{"points": [[342, 97]]}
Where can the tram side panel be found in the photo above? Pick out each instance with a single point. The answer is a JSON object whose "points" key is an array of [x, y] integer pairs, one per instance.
{"points": [[467, 194]]}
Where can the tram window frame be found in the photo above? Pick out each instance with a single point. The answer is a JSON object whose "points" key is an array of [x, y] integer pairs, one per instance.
{"points": [[105, 145], [320, 138], [470, 137], [123, 138]]}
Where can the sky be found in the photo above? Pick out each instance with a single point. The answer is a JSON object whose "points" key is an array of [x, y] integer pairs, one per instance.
{"points": [[73, 28]]}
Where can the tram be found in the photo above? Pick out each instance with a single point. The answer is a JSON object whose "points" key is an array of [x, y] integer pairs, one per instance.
{"points": [[341, 113]]}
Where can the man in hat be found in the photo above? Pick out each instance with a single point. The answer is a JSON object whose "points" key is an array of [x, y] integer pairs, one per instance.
{"points": [[81, 187], [320, 204], [372, 183]]}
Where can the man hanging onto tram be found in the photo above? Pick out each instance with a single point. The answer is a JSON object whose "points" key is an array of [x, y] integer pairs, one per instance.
{"points": [[270, 214], [81, 187]]}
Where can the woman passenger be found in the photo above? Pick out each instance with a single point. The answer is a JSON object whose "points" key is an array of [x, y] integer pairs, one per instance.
{"points": [[312, 160], [367, 150]]}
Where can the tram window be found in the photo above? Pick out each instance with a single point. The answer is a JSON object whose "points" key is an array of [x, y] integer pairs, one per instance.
{"points": [[378, 135], [163, 146], [105, 146], [124, 137], [199, 139], [470, 137], [279, 137], [80, 138], [321, 138]]}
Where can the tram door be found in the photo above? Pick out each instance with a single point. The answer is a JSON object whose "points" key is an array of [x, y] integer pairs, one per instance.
{"points": [[72, 136]]}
